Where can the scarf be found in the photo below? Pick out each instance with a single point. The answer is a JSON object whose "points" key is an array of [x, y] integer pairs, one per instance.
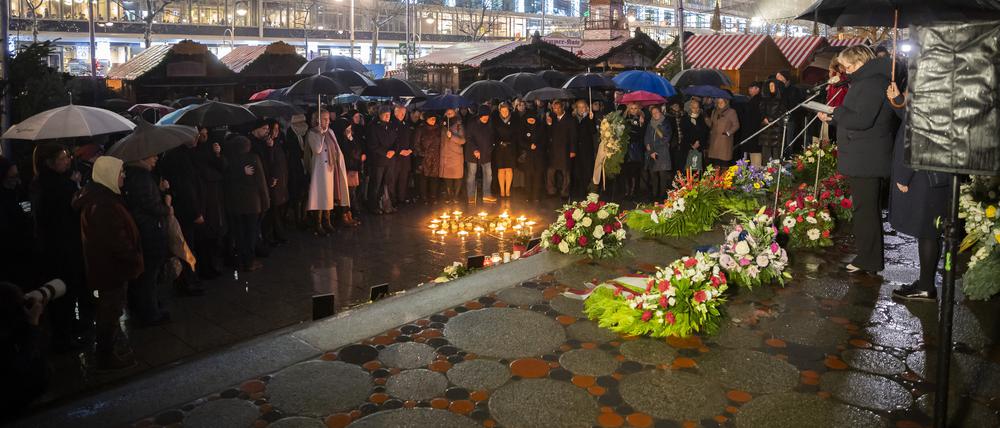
{"points": [[106, 171]]}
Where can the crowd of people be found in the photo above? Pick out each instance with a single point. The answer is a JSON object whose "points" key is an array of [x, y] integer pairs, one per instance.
{"points": [[109, 229]]}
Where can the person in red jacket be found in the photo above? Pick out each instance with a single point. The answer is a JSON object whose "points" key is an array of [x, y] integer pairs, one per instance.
{"points": [[112, 254]]}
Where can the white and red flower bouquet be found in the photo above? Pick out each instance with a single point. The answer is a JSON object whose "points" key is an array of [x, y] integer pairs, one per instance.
{"points": [[807, 223], [751, 255], [590, 227]]}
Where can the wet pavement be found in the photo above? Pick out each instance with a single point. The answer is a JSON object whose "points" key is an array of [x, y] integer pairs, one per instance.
{"points": [[397, 249], [829, 349]]}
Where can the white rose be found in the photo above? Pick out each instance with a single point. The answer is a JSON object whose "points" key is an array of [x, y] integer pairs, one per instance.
{"points": [[811, 220], [823, 215], [577, 214], [620, 234], [788, 222], [598, 231], [563, 247], [813, 234], [602, 214], [742, 248], [586, 222], [599, 245]]}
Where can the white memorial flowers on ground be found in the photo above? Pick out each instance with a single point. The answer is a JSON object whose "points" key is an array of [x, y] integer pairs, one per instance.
{"points": [[590, 227]]}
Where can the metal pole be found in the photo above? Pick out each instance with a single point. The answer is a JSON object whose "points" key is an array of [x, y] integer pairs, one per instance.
{"points": [[4, 76], [406, 36], [680, 34], [260, 18], [544, 4], [352, 28], [93, 49], [947, 307], [781, 156]]}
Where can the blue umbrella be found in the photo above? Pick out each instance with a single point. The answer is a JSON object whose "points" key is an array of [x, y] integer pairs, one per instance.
{"points": [[706, 91], [171, 118], [446, 101], [638, 80]]}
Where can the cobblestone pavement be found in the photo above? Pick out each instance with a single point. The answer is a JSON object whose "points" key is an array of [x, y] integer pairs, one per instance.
{"points": [[829, 349]]}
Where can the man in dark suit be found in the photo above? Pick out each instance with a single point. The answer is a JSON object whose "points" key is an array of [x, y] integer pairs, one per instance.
{"points": [[381, 150], [562, 148]]}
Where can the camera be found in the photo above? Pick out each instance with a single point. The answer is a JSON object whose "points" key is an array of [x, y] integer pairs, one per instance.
{"points": [[49, 291]]}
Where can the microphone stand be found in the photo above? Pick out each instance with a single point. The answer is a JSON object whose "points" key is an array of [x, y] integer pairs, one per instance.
{"points": [[777, 119]]}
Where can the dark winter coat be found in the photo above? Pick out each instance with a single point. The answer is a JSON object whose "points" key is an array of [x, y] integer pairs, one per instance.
{"points": [[657, 140], [57, 224], [145, 203], [298, 179], [16, 230], [111, 243], [353, 147], [678, 150], [245, 194], [405, 133], [427, 145], [751, 116], [915, 212], [381, 139], [586, 148], [275, 168], [479, 136], [636, 130], [866, 123], [534, 134], [772, 108], [562, 141], [211, 175], [177, 166], [508, 139]]}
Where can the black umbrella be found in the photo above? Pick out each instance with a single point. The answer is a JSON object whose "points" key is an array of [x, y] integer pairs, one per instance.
{"points": [[316, 85], [186, 101], [393, 87], [350, 78], [275, 109], [549, 94], [881, 13], [553, 78], [485, 90], [214, 113], [322, 64], [700, 76], [590, 80], [117, 105], [525, 82], [149, 140]]}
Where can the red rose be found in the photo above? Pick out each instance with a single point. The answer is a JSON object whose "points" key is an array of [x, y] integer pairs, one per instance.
{"points": [[825, 195], [722, 276], [556, 239], [582, 241], [716, 281], [838, 193], [826, 233], [669, 318], [690, 262], [663, 302], [663, 285], [812, 213], [608, 228], [846, 203], [700, 296], [799, 219], [568, 215], [570, 223], [616, 225], [591, 207], [677, 273], [785, 230], [646, 316], [601, 204]]}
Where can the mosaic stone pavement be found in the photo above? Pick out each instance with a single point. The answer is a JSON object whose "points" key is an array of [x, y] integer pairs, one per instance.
{"points": [[827, 350]]}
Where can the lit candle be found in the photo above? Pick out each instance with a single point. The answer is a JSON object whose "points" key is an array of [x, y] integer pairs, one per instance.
{"points": [[463, 233], [504, 215], [516, 255], [522, 219], [433, 226], [517, 227], [483, 214], [501, 228], [496, 258], [506, 257], [442, 232], [456, 213]]}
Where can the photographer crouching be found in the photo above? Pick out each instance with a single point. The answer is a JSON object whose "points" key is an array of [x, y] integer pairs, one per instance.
{"points": [[22, 358]]}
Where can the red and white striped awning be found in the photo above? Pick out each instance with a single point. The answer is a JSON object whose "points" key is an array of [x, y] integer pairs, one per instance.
{"points": [[853, 41], [667, 59], [798, 50], [721, 51]]}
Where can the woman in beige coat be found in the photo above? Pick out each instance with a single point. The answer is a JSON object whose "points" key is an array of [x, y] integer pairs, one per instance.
{"points": [[723, 123], [452, 154]]}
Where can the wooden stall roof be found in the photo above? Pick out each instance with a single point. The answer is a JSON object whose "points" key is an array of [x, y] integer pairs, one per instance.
{"points": [[536, 53], [593, 49], [799, 50], [721, 51], [140, 64], [241, 57], [469, 54]]}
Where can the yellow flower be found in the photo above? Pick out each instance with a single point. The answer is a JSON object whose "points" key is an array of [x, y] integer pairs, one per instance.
{"points": [[997, 237], [756, 185], [991, 211]]}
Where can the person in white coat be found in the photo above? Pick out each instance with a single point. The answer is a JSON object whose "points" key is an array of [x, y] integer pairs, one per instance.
{"points": [[328, 186]]}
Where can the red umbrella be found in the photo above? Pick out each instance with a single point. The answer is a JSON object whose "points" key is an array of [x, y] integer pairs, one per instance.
{"points": [[262, 95], [643, 98]]}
